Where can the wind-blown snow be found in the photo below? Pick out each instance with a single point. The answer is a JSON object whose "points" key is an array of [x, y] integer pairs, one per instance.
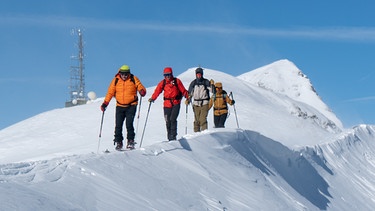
{"points": [[290, 153]]}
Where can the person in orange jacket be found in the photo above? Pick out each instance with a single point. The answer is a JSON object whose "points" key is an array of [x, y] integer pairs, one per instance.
{"points": [[124, 88], [173, 90]]}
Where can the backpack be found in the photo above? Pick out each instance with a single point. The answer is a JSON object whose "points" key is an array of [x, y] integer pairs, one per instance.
{"points": [[224, 95], [205, 81], [179, 95], [131, 78]]}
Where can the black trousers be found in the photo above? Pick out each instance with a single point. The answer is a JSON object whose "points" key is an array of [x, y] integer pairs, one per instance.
{"points": [[219, 120], [170, 116], [123, 113]]}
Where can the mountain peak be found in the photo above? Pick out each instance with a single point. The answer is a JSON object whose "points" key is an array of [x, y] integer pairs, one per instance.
{"points": [[284, 77]]}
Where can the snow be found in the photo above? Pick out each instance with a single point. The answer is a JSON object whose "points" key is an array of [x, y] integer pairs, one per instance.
{"points": [[290, 153], [284, 77]]}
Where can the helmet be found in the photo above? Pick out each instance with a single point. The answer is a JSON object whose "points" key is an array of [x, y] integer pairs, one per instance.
{"points": [[199, 70], [124, 69], [218, 84], [168, 70]]}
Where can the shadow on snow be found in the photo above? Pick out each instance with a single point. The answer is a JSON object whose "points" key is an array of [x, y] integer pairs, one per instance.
{"points": [[273, 158]]}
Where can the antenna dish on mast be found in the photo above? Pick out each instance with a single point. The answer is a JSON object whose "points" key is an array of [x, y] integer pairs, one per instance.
{"points": [[91, 95]]}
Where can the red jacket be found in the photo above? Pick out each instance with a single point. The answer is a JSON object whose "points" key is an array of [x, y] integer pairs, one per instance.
{"points": [[172, 92]]}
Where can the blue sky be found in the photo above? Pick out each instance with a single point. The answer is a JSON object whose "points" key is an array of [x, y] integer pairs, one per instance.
{"points": [[332, 42]]}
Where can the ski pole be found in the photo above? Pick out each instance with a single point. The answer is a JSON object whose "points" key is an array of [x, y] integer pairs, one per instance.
{"points": [[235, 112], [139, 113], [100, 132], [186, 119], [144, 128]]}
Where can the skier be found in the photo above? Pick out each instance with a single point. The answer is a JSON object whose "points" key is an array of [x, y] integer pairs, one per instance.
{"points": [[173, 90], [124, 87], [200, 89], [219, 100]]}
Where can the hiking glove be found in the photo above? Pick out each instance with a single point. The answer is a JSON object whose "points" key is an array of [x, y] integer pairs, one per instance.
{"points": [[104, 106], [142, 92], [151, 100]]}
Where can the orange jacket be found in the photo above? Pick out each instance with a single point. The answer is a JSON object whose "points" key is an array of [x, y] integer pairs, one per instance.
{"points": [[125, 92], [173, 93]]}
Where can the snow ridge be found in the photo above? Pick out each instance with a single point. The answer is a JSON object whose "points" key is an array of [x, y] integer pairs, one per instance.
{"points": [[288, 155], [230, 169], [348, 165]]}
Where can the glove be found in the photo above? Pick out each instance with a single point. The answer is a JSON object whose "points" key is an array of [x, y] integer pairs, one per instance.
{"points": [[212, 82], [104, 106], [142, 92], [151, 100], [233, 102], [187, 101]]}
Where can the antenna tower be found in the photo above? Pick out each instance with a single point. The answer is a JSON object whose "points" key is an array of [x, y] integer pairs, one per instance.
{"points": [[77, 76]]}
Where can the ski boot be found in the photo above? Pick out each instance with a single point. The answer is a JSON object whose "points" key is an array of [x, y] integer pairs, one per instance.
{"points": [[119, 145], [130, 144]]}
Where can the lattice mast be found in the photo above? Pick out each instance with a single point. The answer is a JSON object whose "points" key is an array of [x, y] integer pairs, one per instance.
{"points": [[77, 76]]}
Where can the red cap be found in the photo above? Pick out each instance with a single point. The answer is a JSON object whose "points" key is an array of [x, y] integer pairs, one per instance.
{"points": [[167, 70]]}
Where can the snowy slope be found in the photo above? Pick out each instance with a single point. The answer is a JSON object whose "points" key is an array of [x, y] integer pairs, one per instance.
{"points": [[227, 169], [276, 160], [347, 165]]}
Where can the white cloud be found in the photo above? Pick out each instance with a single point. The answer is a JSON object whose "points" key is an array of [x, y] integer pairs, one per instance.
{"points": [[366, 34], [360, 99]]}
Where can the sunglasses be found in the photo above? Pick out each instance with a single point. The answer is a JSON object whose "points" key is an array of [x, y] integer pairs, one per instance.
{"points": [[125, 74], [168, 75]]}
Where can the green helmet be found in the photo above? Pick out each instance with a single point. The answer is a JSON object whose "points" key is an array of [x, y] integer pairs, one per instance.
{"points": [[124, 69]]}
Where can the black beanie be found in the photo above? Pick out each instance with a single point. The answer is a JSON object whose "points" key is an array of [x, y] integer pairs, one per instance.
{"points": [[199, 70]]}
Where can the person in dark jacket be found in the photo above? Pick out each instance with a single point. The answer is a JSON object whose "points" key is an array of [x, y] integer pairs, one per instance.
{"points": [[220, 101], [199, 95], [124, 87], [173, 90]]}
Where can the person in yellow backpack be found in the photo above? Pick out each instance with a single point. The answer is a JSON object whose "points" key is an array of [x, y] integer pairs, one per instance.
{"points": [[220, 101], [124, 88]]}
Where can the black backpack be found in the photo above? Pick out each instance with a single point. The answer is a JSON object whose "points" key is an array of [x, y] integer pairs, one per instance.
{"points": [[131, 78]]}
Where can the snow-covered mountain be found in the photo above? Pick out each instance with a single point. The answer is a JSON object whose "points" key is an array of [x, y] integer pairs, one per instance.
{"points": [[285, 78], [290, 153]]}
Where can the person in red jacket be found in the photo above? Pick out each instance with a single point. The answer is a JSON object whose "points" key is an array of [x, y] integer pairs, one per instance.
{"points": [[124, 88], [173, 90]]}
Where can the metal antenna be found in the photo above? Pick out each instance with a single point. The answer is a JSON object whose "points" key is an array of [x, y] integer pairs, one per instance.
{"points": [[77, 76]]}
